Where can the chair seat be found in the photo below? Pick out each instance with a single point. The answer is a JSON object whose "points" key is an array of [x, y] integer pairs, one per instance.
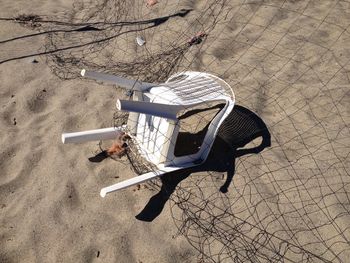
{"points": [[157, 136]]}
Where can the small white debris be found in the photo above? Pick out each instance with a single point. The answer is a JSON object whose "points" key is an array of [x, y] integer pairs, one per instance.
{"points": [[140, 41]]}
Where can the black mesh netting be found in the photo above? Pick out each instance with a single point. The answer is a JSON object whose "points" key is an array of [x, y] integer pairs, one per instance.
{"points": [[287, 61]]}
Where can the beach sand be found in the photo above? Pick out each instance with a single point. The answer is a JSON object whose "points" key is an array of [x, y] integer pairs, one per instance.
{"points": [[287, 62]]}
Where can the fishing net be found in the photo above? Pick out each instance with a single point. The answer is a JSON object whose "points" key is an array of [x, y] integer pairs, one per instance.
{"points": [[288, 64]]}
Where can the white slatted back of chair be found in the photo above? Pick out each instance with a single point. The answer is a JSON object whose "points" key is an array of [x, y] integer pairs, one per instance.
{"points": [[198, 87]]}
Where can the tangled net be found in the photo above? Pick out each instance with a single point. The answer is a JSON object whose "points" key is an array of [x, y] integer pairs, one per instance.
{"points": [[288, 61]]}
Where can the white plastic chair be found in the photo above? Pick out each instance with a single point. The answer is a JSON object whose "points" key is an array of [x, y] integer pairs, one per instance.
{"points": [[154, 119]]}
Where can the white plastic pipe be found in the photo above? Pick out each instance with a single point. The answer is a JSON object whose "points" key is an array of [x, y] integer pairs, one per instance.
{"points": [[91, 135], [137, 180], [155, 109], [122, 82]]}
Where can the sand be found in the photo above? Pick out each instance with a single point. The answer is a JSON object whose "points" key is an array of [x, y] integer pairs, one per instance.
{"points": [[287, 62]]}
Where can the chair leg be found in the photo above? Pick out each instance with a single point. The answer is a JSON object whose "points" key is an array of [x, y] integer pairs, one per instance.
{"points": [[137, 180], [91, 135]]}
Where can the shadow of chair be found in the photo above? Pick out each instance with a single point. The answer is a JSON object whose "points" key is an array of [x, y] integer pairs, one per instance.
{"points": [[241, 127]]}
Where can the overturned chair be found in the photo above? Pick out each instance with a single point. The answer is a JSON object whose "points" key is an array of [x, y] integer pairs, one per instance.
{"points": [[174, 124]]}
